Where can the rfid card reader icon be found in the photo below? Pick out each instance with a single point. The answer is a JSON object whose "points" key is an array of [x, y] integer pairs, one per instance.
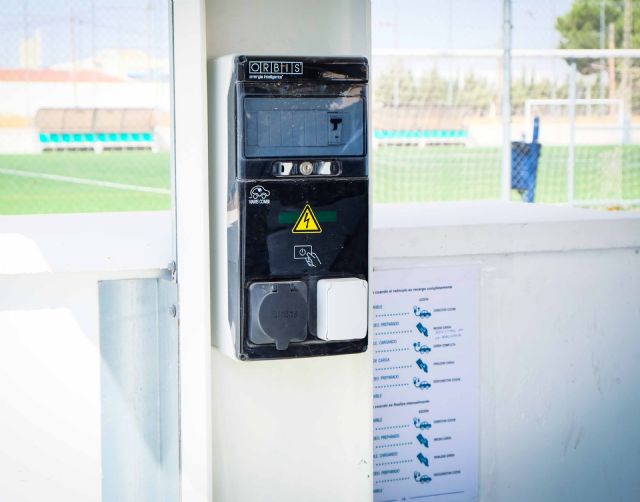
{"points": [[422, 329], [422, 459], [305, 252], [423, 440], [422, 365]]}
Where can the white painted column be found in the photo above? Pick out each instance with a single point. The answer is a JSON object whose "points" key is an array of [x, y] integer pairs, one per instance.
{"points": [[190, 143], [291, 430]]}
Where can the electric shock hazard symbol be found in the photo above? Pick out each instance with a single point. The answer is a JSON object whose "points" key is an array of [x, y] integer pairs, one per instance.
{"points": [[307, 222]]}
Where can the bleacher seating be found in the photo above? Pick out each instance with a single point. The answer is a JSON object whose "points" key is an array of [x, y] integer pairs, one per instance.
{"points": [[420, 126], [96, 129], [399, 137]]}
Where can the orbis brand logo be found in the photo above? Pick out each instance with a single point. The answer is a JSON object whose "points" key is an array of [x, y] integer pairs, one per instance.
{"points": [[275, 67]]}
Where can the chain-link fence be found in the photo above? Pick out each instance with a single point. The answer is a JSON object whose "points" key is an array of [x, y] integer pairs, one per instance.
{"points": [[438, 127], [589, 126], [84, 103], [439, 124], [84, 106]]}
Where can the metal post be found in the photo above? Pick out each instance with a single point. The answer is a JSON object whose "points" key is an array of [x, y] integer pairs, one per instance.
{"points": [[94, 87], [72, 39], [395, 73], [139, 390], [25, 56], [626, 69], [505, 189], [621, 120], [602, 73], [571, 156], [396, 86], [527, 114]]}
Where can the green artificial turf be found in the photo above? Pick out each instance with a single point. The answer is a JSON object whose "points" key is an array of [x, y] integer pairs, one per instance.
{"points": [[461, 173], [400, 174], [32, 195]]}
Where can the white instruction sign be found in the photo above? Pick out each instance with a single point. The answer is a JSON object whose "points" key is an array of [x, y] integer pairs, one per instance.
{"points": [[426, 384]]}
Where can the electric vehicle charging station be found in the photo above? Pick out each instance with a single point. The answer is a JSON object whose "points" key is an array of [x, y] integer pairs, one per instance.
{"points": [[201, 426], [289, 211]]}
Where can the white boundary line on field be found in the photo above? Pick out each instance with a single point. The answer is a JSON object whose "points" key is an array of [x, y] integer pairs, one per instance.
{"points": [[84, 181]]}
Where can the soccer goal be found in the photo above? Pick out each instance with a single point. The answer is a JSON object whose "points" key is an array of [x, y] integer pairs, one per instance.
{"points": [[590, 155]]}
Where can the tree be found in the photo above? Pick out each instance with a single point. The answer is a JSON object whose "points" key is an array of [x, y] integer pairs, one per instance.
{"points": [[395, 87], [580, 28]]}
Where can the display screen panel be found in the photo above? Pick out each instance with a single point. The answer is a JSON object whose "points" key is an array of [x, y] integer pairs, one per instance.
{"points": [[303, 127]]}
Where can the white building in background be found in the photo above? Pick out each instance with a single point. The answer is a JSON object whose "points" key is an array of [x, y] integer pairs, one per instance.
{"points": [[24, 91], [31, 51], [123, 63], [111, 78]]}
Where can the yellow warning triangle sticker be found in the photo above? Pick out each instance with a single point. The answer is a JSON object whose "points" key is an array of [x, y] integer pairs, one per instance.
{"points": [[307, 222]]}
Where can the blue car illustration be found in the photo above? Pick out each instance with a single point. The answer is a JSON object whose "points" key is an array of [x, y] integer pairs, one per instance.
{"points": [[422, 365], [423, 440], [423, 460], [421, 478], [419, 384], [424, 314], [422, 329], [422, 425], [423, 349]]}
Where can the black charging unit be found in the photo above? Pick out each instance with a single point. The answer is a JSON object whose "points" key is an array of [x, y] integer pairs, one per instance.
{"points": [[297, 222]]}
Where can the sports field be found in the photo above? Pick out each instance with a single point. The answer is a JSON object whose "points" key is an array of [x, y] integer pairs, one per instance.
{"points": [[462, 173], [140, 181], [82, 182]]}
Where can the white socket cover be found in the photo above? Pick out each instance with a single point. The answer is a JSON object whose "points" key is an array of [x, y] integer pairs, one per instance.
{"points": [[342, 307]]}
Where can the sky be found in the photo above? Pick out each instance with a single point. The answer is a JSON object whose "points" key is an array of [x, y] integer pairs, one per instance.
{"points": [[464, 24], [143, 24], [469, 24], [96, 24]]}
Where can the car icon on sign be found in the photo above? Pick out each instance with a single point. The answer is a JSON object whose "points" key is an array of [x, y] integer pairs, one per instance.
{"points": [[259, 192], [420, 424], [421, 478], [419, 312], [420, 384]]}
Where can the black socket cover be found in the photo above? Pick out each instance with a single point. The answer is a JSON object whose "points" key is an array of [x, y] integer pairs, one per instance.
{"points": [[283, 316]]}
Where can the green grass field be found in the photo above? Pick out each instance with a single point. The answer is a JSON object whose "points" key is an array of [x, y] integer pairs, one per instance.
{"points": [[399, 173], [35, 195], [461, 173]]}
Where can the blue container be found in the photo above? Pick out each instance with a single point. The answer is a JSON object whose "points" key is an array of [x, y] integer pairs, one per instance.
{"points": [[524, 164]]}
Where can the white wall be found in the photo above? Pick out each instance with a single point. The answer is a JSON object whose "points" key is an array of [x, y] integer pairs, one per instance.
{"points": [[50, 425], [560, 354], [303, 27], [560, 339], [192, 247], [50, 388], [295, 429]]}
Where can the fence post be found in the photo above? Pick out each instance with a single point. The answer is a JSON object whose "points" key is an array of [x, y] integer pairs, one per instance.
{"points": [[505, 188], [626, 79], [571, 156]]}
